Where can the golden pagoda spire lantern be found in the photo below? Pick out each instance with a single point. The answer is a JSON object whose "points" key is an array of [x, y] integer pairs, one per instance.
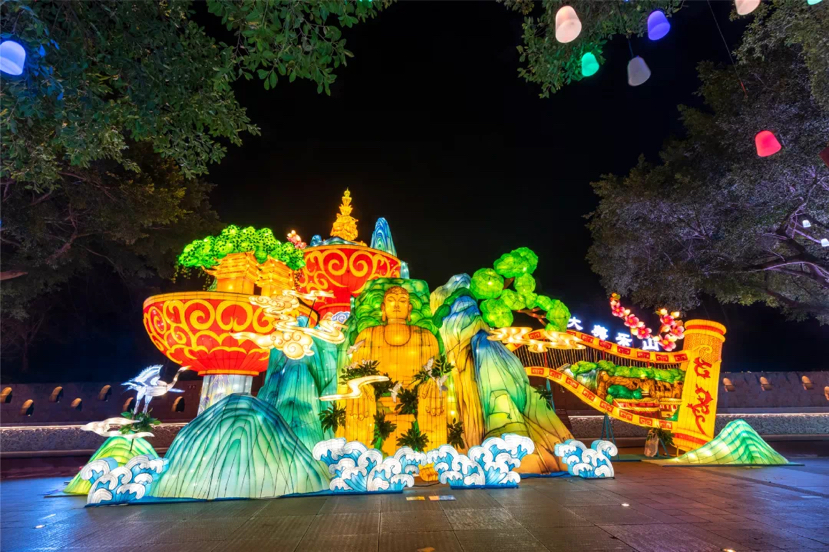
{"points": [[345, 226]]}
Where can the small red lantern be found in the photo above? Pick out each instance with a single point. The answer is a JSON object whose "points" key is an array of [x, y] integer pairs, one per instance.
{"points": [[766, 143]]}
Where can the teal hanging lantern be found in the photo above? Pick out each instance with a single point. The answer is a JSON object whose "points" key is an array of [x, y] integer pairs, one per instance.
{"points": [[589, 64]]}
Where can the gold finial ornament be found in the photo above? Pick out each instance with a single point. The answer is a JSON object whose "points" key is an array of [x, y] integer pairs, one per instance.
{"points": [[345, 226]]}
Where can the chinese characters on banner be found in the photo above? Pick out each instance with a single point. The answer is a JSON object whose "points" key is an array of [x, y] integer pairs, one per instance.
{"points": [[698, 411]]}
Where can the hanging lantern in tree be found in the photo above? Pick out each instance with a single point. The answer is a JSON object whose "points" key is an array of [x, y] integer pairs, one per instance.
{"points": [[658, 25], [12, 57], [638, 71], [813, 2], [766, 143], [568, 25], [589, 64], [745, 7]]}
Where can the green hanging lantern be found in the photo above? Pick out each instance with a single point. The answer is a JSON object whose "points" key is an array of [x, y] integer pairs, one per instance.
{"points": [[589, 64]]}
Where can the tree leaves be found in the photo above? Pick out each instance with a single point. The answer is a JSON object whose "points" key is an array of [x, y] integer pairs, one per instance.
{"points": [[147, 75], [713, 217], [552, 64], [296, 38]]}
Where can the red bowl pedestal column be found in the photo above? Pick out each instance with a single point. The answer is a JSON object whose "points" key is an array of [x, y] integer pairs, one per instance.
{"points": [[193, 329]]}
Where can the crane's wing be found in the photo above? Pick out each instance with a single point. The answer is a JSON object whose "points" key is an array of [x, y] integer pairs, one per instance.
{"points": [[148, 374]]}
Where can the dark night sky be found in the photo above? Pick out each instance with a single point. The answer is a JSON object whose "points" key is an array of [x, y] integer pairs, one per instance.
{"points": [[430, 126]]}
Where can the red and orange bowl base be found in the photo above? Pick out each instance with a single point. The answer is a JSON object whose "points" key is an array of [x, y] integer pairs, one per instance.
{"points": [[193, 329]]}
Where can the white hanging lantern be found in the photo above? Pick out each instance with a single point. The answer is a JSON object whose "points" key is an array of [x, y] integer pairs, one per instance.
{"points": [[568, 25], [638, 71], [745, 7], [806, 223]]}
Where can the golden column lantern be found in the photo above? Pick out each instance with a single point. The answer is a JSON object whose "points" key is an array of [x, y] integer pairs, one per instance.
{"points": [[274, 277], [236, 273], [431, 413], [359, 417], [698, 410]]}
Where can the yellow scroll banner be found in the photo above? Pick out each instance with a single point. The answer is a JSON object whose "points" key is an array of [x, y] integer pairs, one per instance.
{"points": [[697, 414]]}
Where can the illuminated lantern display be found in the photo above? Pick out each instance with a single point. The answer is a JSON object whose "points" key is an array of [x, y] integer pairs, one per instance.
{"points": [[568, 25], [343, 267], [412, 376], [813, 2], [589, 64], [12, 57], [638, 71], [766, 143], [658, 25], [745, 7]]}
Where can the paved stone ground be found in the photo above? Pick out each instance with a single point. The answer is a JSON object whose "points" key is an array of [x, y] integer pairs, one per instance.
{"points": [[646, 508]]}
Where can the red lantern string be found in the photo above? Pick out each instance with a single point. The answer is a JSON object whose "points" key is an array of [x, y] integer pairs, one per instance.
{"points": [[671, 329]]}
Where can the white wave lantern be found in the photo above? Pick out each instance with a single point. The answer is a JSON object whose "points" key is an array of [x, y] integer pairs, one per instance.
{"points": [[588, 463]]}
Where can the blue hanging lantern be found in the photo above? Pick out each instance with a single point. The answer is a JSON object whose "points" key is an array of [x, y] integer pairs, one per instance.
{"points": [[12, 57], [658, 25]]}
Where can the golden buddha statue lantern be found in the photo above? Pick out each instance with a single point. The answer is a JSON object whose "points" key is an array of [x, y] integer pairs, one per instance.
{"points": [[402, 349]]}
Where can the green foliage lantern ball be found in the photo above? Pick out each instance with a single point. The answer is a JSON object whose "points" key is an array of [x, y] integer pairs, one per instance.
{"points": [[208, 251], [517, 262], [557, 315], [486, 284], [524, 284], [513, 300], [496, 313]]}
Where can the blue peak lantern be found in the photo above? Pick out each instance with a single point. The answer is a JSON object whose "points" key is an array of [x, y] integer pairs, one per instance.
{"points": [[12, 57], [658, 25]]}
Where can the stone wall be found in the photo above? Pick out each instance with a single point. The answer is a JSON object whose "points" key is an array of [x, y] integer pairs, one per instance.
{"points": [[81, 402], [585, 427], [70, 438], [23, 439]]}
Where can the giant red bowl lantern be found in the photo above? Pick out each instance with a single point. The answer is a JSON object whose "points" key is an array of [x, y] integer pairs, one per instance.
{"points": [[344, 270]]}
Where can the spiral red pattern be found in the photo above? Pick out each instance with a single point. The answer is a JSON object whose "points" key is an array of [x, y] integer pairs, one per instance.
{"points": [[344, 271], [193, 329]]}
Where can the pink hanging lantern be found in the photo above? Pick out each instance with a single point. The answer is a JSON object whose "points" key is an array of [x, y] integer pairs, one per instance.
{"points": [[766, 143], [745, 7], [568, 25]]}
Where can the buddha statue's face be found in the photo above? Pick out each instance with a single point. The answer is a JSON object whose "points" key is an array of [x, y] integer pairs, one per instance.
{"points": [[396, 305]]}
